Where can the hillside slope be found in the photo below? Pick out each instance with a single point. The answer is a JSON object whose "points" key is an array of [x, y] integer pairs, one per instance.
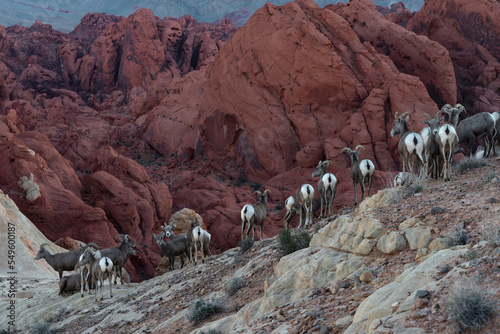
{"points": [[341, 284]]}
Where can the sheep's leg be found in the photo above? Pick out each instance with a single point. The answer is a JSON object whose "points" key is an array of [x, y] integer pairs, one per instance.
{"points": [[355, 192], [300, 217], [242, 229], [82, 282], [247, 233], [321, 205], [261, 230], [195, 254], [362, 184], [111, 288], [202, 251], [370, 179]]}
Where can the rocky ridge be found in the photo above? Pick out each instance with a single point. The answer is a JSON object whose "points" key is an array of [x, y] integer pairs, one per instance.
{"points": [[345, 282]]}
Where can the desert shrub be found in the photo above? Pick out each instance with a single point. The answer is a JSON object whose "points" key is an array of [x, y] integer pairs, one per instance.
{"points": [[490, 176], [203, 309], [234, 284], [491, 232], [468, 164], [458, 237], [290, 243], [470, 307], [41, 328], [246, 244]]}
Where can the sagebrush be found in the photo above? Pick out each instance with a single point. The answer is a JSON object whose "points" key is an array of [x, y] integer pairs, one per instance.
{"points": [[203, 309], [458, 237], [246, 244], [468, 164], [234, 284], [290, 243], [470, 307]]}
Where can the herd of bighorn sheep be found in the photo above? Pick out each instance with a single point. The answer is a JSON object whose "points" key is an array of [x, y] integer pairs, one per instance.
{"points": [[425, 153]]}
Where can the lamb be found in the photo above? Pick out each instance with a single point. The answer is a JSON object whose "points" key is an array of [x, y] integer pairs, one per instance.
{"points": [[68, 285], [411, 144], [61, 261], [119, 255], [361, 172], [401, 179], [196, 235], [254, 215], [327, 186], [176, 247], [292, 209], [99, 266], [305, 199]]}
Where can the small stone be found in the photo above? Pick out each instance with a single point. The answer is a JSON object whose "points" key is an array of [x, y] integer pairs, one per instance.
{"points": [[366, 276], [493, 200], [323, 330], [445, 269], [422, 293], [437, 209]]}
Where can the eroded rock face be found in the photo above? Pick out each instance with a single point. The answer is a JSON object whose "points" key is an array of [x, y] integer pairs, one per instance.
{"points": [[457, 25]]}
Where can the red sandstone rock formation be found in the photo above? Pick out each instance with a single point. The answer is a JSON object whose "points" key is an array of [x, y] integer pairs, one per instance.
{"points": [[141, 108]]}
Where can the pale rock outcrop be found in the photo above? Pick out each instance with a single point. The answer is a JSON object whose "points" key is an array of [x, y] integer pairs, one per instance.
{"points": [[403, 290], [354, 236], [391, 243]]}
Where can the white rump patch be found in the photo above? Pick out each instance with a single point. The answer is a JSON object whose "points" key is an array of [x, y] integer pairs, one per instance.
{"points": [[367, 167]]}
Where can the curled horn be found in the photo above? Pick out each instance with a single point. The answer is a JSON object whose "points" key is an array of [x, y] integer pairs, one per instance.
{"points": [[267, 191], [327, 162], [358, 147], [347, 149], [43, 245], [446, 108], [404, 114], [118, 236], [427, 115], [91, 244], [460, 107], [257, 192]]}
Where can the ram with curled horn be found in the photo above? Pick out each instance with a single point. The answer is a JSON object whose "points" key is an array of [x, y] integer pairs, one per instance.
{"points": [[361, 171], [254, 215], [410, 146], [327, 186]]}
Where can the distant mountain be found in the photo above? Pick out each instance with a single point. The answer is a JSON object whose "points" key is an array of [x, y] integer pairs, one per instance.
{"points": [[64, 15]]}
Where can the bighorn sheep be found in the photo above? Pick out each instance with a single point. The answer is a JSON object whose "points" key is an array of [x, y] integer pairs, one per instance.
{"points": [[254, 215], [447, 141], [61, 261], [175, 247], [207, 237], [453, 113], [327, 186], [292, 209], [361, 172], [119, 254], [431, 148], [305, 200], [475, 126], [99, 266], [196, 235], [401, 179], [69, 284], [411, 144]]}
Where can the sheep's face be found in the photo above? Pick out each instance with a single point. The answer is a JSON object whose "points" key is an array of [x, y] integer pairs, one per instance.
{"points": [[262, 198], [169, 231], [41, 254], [159, 238], [399, 125], [320, 169]]}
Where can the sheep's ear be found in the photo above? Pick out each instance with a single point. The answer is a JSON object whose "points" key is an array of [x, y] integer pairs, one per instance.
{"points": [[441, 119], [426, 122], [174, 226]]}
